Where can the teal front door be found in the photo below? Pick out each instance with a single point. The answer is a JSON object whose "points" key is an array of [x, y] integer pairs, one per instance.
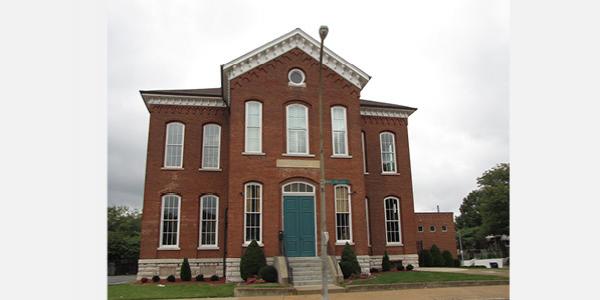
{"points": [[299, 225]]}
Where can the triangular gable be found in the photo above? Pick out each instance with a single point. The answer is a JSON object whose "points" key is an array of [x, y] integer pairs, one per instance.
{"points": [[294, 39]]}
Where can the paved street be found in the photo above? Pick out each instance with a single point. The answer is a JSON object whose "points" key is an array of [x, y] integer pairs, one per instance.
{"points": [[478, 271], [120, 279]]}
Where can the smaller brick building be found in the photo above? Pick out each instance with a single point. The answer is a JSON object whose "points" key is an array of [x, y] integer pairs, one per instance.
{"points": [[436, 228]]}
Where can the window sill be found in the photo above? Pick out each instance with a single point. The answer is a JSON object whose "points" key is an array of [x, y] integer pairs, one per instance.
{"points": [[296, 85], [390, 174], [168, 248], [343, 243], [208, 248], [171, 168], [394, 245], [245, 244], [366, 173], [253, 153], [210, 170], [341, 156], [297, 155]]}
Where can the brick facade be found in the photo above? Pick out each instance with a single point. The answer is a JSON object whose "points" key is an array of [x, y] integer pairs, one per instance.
{"points": [[445, 240]]}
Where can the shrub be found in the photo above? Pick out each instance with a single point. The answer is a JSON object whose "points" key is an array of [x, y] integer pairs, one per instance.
{"points": [[200, 277], [457, 263], [425, 258], [400, 266], [171, 278], [186, 273], [144, 280], [437, 260], [409, 267], [349, 256], [268, 273], [155, 278], [252, 260], [214, 277], [347, 269], [448, 259], [385, 262], [374, 270]]}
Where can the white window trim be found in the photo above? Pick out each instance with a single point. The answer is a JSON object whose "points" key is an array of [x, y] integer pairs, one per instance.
{"points": [[246, 151], [434, 228], [216, 245], [399, 222], [162, 216], [180, 167], [362, 141], [367, 219], [287, 144], [346, 153], [350, 241], [381, 152], [218, 167], [291, 83], [443, 228], [260, 231], [422, 228]]}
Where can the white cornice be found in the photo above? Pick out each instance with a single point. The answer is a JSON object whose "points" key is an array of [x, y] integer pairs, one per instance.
{"points": [[156, 99], [385, 112]]}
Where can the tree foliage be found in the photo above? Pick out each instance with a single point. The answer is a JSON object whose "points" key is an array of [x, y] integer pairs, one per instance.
{"points": [[349, 256], [386, 265], [252, 260], [186, 272], [124, 226]]}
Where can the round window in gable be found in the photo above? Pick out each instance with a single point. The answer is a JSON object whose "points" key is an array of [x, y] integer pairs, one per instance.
{"points": [[296, 77]]}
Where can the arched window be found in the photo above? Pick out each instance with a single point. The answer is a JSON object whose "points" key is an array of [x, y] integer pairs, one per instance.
{"points": [[252, 212], [174, 145], [253, 142], [209, 221], [169, 221], [211, 142], [388, 152], [298, 187], [343, 211], [339, 133], [393, 234], [297, 129]]}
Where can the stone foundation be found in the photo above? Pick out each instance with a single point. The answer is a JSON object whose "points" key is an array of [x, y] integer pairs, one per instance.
{"points": [[413, 259]]}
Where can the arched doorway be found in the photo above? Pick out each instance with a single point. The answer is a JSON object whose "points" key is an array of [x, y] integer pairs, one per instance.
{"points": [[299, 221]]}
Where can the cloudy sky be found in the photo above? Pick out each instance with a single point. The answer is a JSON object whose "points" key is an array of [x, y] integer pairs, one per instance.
{"points": [[449, 59]]}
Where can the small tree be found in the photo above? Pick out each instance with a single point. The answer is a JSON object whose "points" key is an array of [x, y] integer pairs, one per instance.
{"points": [[349, 256], [385, 262], [425, 258], [186, 273], [448, 259], [437, 260], [252, 260]]}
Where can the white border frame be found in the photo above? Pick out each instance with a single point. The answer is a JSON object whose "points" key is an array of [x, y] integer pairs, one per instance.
{"points": [[333, 154], [387, 243], [422, 227], [167, 141], [350, 241], [216, 245], [260, 125], [381, 152], [162, 215], [313, 194], [442, 228], [287, 144], [218, 147], [434, 228], [260, 232], [290, 82]]}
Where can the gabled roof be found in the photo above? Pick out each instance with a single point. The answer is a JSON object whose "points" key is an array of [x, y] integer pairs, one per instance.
{"points": [[214, 92], [293, 39], [370, 103]]}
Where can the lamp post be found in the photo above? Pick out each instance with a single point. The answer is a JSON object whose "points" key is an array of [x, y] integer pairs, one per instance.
{"points": [[323, 30]]}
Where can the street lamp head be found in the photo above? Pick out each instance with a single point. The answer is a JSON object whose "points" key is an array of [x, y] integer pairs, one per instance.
{"points": [[323, 30]]}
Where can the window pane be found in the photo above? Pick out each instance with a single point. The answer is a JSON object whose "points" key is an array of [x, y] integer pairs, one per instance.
{"points": [[297, 131], [211, 144], [252, 207]]}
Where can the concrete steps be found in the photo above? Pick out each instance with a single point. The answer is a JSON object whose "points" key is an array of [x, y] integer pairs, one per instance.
{"points": [[306, 271]]}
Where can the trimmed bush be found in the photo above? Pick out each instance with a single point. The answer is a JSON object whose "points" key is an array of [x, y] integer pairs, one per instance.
{"points": [[144, 280], [349, 256], [374, 270], [448, 259], [155, 278], [252, 260], [385, 262], [437, 260], [200, 277], [400, 266], [347, 269], [186, 273], [409, 267], [214, 277], [268, 273], [457, 263], [171, 278], [425, 258]]}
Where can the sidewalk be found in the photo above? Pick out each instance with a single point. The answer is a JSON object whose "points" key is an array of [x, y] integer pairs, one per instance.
{"points": [[477, 271], [119, 279]]}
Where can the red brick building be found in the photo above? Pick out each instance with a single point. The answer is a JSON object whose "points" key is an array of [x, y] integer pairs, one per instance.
{"points": [[436, 228], [237, 163]]}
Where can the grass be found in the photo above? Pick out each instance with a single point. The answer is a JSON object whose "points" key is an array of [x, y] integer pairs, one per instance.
{"points": [[169, 291], [422, 276]]}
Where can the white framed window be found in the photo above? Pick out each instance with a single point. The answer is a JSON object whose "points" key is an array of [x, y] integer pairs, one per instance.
{"points": [[343, 214], [209, 221], [432, 228], [420, 228], [174, 145], [388, 152], [339, 132], [253, 142], [297, 129], [296, 77], [169, 221], [252, 212], [393, 234], [367, 219], [364, 152], [211, 143], [444, 228]]}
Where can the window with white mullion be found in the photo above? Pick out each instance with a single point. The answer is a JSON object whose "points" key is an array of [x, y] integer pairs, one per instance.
{"points": [[339, 130], [253, 143], [174, 145], [364, 152], [169, 231], [392, 221], [297, 129], [210, 146], [252, 212], [388, 152], [343, 219], [209, 213]]}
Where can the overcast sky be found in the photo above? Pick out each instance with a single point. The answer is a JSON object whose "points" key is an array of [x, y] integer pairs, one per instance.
{"points": [[449, 59]]}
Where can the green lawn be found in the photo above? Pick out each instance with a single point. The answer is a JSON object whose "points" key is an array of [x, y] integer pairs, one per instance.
{"points": [[169, 291], [422, 276]]}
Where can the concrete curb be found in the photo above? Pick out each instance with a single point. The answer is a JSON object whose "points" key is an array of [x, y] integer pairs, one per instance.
{"points": [[253, 292]]}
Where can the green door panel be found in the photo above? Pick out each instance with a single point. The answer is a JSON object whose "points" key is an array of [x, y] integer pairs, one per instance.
{"points": [[299, 225]]}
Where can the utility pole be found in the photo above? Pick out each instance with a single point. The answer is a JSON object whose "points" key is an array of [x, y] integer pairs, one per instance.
{"points": [[323, 30]]}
